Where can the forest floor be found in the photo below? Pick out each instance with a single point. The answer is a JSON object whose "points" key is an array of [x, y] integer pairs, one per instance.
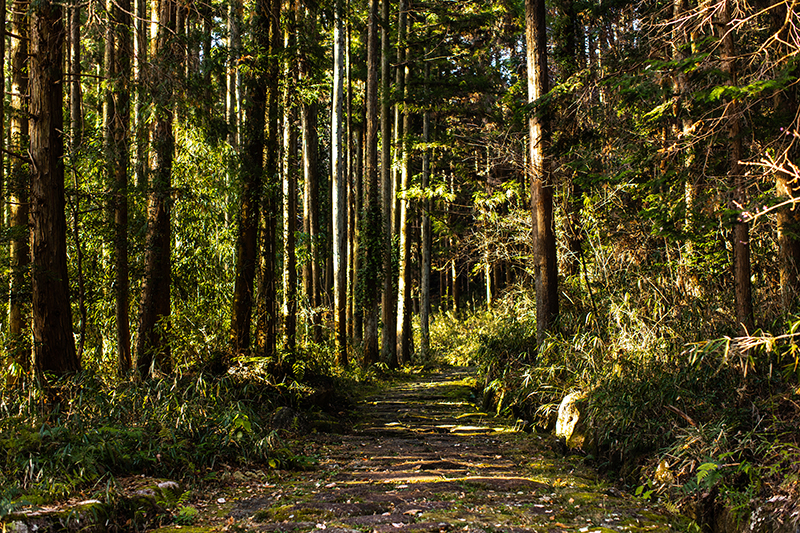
{"points": [[422, 458]]}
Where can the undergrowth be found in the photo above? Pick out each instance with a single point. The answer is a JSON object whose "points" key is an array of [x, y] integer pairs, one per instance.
{"points": [[82, 432], [671, 414]]}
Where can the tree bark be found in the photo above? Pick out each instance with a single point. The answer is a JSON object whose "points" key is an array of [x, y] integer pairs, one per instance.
{"points": [[388, 299], [372, 234], [152, 347], [309, 112], [339, 187], [19, 191], [54, 345], [425, 267], [404, 279], [290, 183], [118, 45], [546, 266], [741, 228], [267, 287], [250, 172]]}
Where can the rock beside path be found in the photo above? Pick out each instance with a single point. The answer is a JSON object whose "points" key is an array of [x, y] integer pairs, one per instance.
{"points": [[420, 458], [424, 459]]}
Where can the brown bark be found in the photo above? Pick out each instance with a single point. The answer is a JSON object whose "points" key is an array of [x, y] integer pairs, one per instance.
{"points": [[309, 111], [54, 348], [546, 267], [388, 297], [118, 125], [425, 237], [152, 348], [404, 310], [741, 229], [290, 183], [267, 325], [19, 189], [250, 174], [339, 188], [372, 236]]}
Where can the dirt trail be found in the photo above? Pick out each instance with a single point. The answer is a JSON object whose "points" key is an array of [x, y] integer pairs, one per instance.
{"points": [[423, 459]]}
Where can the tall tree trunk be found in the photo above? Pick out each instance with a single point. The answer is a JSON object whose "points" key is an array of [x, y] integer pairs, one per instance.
{"points": [[546, 266], [309, 123], [372, 242], [250, 172], [741, 228], [139, 61], [290, 182], [357, 208], [339, 187], [425, 264], [76, 128], [19, 188], [267, 324], [118, 52], [349, 179], [787, 187], [233, 83], [388, 305], [152, 348], [404, 310], [54, 345]]}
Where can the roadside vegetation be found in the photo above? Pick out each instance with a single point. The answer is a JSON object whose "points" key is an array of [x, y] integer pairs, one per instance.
{"points": [[676, 408]]}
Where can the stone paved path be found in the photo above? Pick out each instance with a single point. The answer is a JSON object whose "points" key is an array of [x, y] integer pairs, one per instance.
{"points": [[423, 459]]}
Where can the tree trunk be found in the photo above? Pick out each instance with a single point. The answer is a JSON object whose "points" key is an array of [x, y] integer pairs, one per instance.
{"points": [[339, 188], [290, 184], [388, 303], [267, 287], [139, 61], [233, 82], [546, 266], [19, 187], [54, 345], [372, 234], [310, 146], [250, 172], [358, 206], [118, 44], [152, 347], [425, 268], [741, 228], [404, 310]]}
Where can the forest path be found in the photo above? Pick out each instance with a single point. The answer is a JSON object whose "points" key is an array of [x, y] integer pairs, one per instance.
{"points": [[423, 459]]}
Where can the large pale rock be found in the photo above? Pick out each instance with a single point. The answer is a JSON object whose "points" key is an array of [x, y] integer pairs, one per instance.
{"points": [[570, 425]]}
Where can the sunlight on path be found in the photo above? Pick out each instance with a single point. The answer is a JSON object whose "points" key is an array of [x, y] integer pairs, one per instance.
{"points": [[423, 459]]}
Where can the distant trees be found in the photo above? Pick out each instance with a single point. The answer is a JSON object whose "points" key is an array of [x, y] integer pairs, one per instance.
{"points": [[432, 142]]}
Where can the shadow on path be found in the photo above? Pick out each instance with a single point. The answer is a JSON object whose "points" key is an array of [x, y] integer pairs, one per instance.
{"points": [[423, 459]]}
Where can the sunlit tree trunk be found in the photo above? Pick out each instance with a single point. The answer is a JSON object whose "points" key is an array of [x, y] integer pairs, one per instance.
{"points": [[357, 208], [426, 244], [267, 287], [404, 310], [388, 300], [250, 175], [541, 181], [76, 139], [139, 135], [152, 347], [232, 81], [54, 345], [309, 124], [339, 187], [118, 52], [741, 228], [372, 234], [290, 168], [19, 188]]}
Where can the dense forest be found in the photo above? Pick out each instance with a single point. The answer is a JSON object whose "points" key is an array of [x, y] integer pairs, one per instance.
{"points": [[574, 195]]}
